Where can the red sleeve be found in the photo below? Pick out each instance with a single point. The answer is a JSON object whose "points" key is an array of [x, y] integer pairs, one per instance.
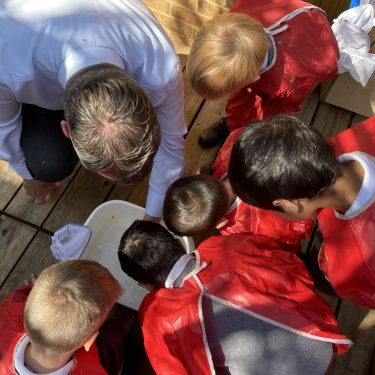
{"points": [[359, 137], [160, 340], [220, 165], [242, 107], [246, 105]]}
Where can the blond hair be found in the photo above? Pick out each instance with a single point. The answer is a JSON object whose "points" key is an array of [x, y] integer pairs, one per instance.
{"points": [[112, 123], [226, 55], [68, 303]]}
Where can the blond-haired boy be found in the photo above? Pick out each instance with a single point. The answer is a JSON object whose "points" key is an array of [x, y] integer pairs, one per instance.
{"points": [[51, 328], [269, 56]]}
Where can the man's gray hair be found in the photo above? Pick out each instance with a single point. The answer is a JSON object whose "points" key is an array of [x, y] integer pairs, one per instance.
{"points": [[112, 123]]}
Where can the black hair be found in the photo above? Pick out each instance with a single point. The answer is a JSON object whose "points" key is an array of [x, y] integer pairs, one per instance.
{"points": [[147, 252], [195, 204], [281, 159]]}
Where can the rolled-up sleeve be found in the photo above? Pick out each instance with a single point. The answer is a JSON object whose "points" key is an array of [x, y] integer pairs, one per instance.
{"points": [[10, 133], [169, 160]]}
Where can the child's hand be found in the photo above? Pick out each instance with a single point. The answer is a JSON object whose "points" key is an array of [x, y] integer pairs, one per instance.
{"points": [[32, 280]]}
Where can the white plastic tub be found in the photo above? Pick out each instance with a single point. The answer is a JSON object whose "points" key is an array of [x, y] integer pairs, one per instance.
{"points": [[108, 222]]}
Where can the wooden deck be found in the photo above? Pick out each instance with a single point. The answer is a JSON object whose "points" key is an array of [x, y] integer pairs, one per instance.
{"points": [[25, 227]]}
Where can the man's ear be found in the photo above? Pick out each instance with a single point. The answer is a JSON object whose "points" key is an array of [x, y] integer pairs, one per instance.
{"points": [[87, 344], [65, 128], [288, 206]]}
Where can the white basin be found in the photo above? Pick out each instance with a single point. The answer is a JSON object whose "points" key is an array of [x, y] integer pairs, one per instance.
{"points": [[108, 222]]}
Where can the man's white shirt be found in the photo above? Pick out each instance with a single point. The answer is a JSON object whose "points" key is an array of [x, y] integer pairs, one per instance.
{"points": [[43, 43]]}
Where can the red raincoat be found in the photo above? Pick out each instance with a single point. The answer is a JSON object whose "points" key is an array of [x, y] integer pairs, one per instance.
{"points": [[307, 54], [252, 220], [12, 331], [348, 253], [267, 284]]}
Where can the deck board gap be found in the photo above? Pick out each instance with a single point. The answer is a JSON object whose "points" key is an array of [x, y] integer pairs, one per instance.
{"points": [[190, 125], [18, 260], [30, 224]]}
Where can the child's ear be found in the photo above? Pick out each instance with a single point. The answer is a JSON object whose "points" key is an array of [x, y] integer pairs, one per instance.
{"points": [[87, 344], [65, 128], [288, 206], [221, 223]]}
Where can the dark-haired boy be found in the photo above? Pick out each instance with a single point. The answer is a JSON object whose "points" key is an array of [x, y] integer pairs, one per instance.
{"points": [[232, 306], [196, 204], [286, 166]]}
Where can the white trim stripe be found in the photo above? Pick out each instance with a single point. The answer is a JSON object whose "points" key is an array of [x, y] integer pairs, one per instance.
{"points": [[289, 16], [200, 312]]}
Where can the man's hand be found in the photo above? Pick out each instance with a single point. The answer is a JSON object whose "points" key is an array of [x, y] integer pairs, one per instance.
{"points": [[152, 218], [39, 191]]}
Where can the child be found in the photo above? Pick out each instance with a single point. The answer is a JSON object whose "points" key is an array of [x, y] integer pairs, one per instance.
{"points": [[199, 203], [52, 327], [286, 166], [232, 306], [269, 56]]}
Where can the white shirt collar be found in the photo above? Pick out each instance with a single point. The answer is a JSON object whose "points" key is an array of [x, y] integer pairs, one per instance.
{"points": [[177, 270], [366, 195], [19, 361]]}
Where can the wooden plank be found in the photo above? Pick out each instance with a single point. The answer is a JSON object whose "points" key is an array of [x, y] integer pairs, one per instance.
{"points": [[193, 103], [136, 194], [330, 120], [183, 60], [332, 8], [309, 107], [357, 119], [359, 325], [35, 213], [36, 257], [14, 239], [195, 155], [9, 184], [86, 191]]}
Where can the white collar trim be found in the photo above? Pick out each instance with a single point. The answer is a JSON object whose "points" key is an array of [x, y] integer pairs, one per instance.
{"points": [[19, 361], [366, 195], [177, 269]]}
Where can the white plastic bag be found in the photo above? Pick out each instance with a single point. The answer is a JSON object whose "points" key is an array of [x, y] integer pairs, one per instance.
{"points": [[351, 29]]}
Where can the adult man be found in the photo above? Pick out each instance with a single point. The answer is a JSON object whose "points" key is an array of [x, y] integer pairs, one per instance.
{"points": [[120, 53]]}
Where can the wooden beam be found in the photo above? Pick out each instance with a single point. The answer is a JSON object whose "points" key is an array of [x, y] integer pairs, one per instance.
{"points": [[195, 155], [9, 184], [359, 325], [22, 207], [14, 239], [36, 257], [330, 120], [86, 192]]}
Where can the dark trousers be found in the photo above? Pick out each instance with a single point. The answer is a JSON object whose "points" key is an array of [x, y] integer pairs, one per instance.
{"points": [[120, 344], [49, 155]]}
